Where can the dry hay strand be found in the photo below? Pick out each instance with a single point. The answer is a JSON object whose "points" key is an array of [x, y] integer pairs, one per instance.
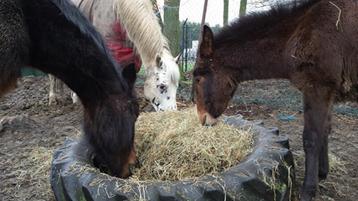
{"points": [[31, 169], [337, 167], [336, 164], [173, 145]]}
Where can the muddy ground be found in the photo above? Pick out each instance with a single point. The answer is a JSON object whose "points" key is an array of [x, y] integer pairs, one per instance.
{"points": [[30, 130]]}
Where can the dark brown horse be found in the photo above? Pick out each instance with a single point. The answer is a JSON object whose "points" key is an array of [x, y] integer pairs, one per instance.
{"points": [[314, 44], [53, 36]]}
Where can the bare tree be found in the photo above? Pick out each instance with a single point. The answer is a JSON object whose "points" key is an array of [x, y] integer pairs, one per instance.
{"points": [[172, 24], [243, 4], [226, 12]]}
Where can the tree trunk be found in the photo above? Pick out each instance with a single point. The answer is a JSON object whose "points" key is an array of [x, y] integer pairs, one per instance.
{"points": [[243, 4], [172, 24], [203, 19], [226, 12], [192, 95], [56, 94]]}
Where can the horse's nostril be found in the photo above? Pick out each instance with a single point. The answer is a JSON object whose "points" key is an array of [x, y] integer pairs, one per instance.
{"points": [[204, 120], [137, 164], [132, 168], [126, 173]]}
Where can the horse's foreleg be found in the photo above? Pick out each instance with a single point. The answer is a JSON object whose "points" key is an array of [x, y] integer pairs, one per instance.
{"points": [[8, 82], [56, 93], [323, 156], [74, 97], [14, 43], [317, 108]]}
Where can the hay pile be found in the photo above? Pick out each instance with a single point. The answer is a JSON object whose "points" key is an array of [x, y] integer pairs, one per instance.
{"points": [[174, 146]]}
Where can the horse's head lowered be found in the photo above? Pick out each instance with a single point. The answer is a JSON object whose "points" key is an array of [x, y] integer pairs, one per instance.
{"points": [[161, 82], [110, 124], [214, 87]]}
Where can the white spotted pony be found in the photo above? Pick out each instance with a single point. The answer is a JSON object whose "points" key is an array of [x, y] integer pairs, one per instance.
{"points": [[143, 29]]}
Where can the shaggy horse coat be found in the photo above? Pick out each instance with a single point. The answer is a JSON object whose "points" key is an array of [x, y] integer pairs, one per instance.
{"points": [[53, 36], [314, 44]]}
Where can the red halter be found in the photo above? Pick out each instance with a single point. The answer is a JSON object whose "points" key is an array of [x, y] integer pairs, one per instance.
{"points": [[120, 48]]}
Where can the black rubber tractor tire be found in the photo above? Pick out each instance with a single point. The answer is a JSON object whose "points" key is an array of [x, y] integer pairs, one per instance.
{"points": [[267, 174]]}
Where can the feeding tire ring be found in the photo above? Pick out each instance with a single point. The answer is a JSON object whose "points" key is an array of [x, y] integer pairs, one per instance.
{"points": [[266, 174]]}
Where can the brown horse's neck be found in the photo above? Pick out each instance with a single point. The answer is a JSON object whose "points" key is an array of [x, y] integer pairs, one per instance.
{"points": [[258, 59], [256, 47]]}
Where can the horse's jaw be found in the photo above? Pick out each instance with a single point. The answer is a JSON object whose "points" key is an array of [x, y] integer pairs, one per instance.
{"points": [[161, 96], [205, 118]]}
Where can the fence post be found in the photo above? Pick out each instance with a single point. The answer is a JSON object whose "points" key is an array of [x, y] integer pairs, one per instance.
{"points": [[201, 33], [186, 48]]}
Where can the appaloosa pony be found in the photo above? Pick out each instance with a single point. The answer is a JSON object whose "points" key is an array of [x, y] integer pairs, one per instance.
{"points": [[141, 24], [162, 71], [54, 37], [314, 44]]}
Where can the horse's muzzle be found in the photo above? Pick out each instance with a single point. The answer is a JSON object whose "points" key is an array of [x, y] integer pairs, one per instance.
{"points": [[206, 119]]}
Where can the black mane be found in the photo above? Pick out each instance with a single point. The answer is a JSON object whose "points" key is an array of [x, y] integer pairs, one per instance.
{"points": [[71, 12], [255, 25]]}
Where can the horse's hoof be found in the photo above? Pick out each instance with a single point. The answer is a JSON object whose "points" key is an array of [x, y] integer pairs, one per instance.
{"points": [[306, 198], [307, 195], [322, 175], [323, 172]]}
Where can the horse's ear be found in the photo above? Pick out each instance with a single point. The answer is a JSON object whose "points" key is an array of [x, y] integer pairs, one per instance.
{"points": [[158, 61], [206, 48], [130, 74], [177, 58]]}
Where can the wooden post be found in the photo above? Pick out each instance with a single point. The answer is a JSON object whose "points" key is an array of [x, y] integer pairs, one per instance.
{"points": [[172, 24], [226, 13], [243, 4], [182, 71], [203, 18], [192, 95]]}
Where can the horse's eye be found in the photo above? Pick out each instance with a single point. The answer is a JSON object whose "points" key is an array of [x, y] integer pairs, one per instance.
{"points": [[197, 79]]}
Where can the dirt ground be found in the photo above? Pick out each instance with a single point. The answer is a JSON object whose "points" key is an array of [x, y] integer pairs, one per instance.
{"points": [[30, 130]]}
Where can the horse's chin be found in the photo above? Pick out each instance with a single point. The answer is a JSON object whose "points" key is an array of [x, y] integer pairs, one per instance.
{"points": [[206, 119], [166, 106], [128, 166]]}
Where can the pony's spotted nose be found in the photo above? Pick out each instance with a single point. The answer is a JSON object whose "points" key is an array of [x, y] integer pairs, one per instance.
{"points": [[207, 120]]}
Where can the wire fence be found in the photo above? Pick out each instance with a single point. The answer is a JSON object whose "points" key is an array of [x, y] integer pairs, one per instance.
{"points": [[188, 49]]}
